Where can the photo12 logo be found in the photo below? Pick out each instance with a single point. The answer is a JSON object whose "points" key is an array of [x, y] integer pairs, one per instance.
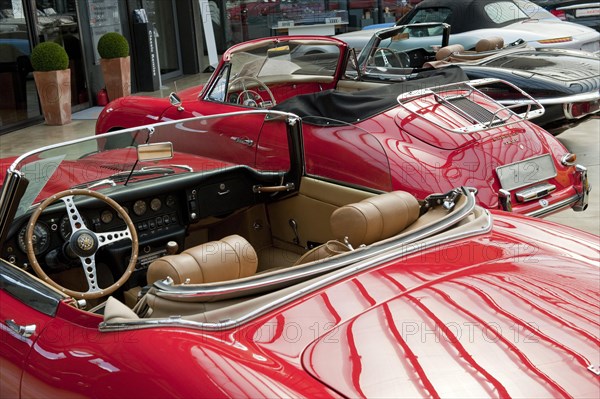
{"points": [[469, 332]]}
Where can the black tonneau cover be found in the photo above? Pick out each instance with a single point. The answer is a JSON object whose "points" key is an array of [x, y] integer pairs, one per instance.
{"points": [[331, 107]]}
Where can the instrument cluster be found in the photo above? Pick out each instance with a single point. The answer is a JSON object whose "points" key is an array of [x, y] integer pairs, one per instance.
{"points": [[53, 229]]}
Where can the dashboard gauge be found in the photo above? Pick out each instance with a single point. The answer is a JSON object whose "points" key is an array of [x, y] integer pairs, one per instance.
{"points": [[65, 227], [126, 211], [140, 207], [155, 204], [40, 238], [107, 216], [170, 201]]}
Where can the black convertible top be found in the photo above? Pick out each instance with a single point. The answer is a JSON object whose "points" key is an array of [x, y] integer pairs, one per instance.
{"points": [[466, 15], [331, 107]]}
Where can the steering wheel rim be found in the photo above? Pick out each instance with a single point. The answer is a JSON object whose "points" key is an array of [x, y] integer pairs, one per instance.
{"points": [[251, 98], [85, 243], [396, 54], [255, 80]]}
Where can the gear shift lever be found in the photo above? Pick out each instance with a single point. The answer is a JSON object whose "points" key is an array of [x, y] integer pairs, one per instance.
{"points": [[172, 248]]}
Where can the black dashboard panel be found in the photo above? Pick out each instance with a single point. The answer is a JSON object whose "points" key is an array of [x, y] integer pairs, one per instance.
{"points": [[161, 211]]}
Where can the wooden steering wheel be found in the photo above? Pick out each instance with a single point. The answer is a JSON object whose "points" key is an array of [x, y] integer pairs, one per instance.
{"points": [[391, 58], [251, 94], [84, 243]]}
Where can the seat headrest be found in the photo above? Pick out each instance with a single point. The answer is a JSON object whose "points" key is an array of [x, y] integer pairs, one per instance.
{"points": [[374, 219], [447, 51], [489, 44], [227, 259]]}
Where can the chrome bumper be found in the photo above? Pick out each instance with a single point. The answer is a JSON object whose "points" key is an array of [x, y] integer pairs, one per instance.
{"points": [[579, 201], [584, 197]]}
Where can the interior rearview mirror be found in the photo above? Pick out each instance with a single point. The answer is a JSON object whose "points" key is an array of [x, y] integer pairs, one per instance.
{"points": [[155, 151]]}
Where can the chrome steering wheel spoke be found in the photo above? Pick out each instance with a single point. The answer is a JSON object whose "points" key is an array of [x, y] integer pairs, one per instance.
{"points": [[75, 218], [112, 236], [89, 269]]}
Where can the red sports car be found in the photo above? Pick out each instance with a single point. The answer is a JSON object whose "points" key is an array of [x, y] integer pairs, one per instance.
{"points": [[428, 134], [141, 271]]}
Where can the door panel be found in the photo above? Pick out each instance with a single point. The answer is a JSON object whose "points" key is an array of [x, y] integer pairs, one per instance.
{"points": [[15, 347], [26, 306]]}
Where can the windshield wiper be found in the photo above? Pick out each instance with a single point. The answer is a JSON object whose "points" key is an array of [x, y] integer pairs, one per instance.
{"points": [[145, 171]]}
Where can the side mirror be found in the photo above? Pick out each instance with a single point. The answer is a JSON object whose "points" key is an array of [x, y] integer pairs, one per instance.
{"points": [[175, 101]]}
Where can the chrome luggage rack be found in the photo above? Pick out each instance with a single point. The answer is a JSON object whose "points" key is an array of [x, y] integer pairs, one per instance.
{"points": [[481, 117]]}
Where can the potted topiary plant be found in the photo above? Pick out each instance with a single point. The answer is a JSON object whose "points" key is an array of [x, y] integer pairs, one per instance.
{"points": [[52, 77], [116, 65]]}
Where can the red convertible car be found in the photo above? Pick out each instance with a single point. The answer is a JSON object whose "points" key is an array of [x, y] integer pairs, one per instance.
{"points": [[428, 134], [142, 271]]}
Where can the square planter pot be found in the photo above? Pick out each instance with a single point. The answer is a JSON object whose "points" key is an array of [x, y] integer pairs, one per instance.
{"points": [[117, 76], [54, 89]]}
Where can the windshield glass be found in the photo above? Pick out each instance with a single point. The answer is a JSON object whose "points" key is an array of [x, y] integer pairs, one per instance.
{"points": [[292, 57], [199, 145], [434, 14], [504, 11]]}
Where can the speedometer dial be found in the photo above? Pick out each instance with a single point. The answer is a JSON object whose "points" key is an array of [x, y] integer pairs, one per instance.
{"points": [[155, 204], [40, 238], [106, 216], [140, 207]]}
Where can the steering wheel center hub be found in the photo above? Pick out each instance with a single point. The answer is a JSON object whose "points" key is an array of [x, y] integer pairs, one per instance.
{"points": [[84, 243]]}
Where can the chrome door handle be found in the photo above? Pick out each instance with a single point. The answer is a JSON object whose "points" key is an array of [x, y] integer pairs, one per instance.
{"points": [[243, 140], [24, 331]]}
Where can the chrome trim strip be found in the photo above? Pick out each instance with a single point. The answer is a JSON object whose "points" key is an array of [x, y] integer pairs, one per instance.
{"points": [[535, 192], [392, 253], [287, 277], [555, 206], [575, 98], [292, 118], [579, 6]]}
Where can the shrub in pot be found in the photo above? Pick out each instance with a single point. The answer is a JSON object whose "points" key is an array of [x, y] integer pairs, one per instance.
{"points": [[50, 63], [116, 65]]}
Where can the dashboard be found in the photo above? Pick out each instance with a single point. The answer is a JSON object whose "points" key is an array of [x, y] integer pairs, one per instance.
{"points": [[160, 213]]}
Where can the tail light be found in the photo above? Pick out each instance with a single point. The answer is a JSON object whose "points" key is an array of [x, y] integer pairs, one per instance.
{"points": [[559, 14], [578, 110], [556, 40]]}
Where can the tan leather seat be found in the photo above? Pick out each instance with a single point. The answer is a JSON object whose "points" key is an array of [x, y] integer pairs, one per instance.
{"points": [[374, 219], [447, 51], [489, 44], [227, 259], [366, 222]]}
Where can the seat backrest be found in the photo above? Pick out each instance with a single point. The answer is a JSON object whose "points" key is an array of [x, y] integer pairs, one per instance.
{"points": [[489, 44], [230, 258], [447, 51], [375, 218]]}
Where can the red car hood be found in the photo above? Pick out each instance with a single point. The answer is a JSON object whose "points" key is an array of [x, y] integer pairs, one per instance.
{"points": [[525, 326], [141, 109]]}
